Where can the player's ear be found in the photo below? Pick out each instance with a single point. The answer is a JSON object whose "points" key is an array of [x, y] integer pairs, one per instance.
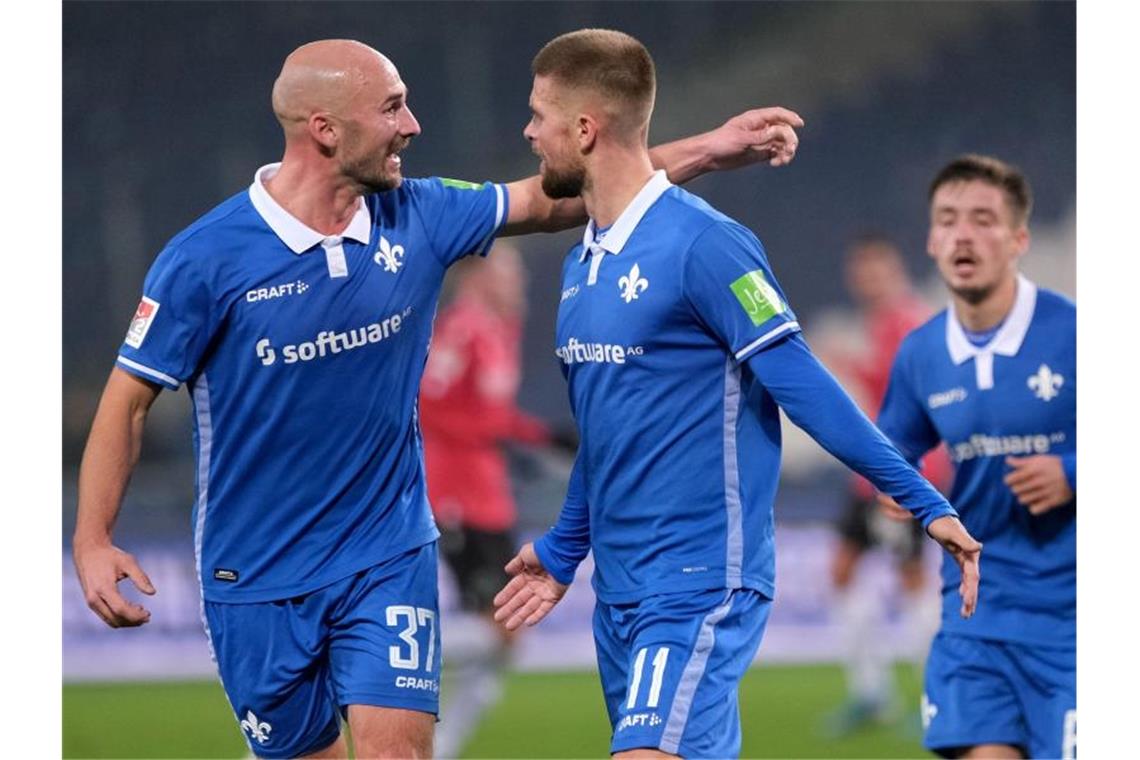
{"points": [[324, 129], [586, 132], [1021, 239]]}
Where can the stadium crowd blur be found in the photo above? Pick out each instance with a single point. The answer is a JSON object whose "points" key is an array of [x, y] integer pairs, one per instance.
{"points": [[158, 126]]}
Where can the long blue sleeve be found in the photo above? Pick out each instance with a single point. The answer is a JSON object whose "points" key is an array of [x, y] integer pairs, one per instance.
{"points": [[562, 548], [814, 400]]}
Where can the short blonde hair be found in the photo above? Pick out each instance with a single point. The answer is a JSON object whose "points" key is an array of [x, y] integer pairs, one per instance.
{"points": [[609, 63]]}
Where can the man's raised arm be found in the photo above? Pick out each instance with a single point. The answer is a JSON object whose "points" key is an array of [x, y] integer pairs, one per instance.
{"points": [[761, 134]]}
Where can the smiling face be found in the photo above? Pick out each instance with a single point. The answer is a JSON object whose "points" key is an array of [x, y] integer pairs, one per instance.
{"points": [[377, 125], [975, 238], [551, 134]]}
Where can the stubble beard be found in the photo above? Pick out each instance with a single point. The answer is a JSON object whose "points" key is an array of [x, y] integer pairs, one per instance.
{"points": [[372, 180], [973, 294], [563, 184], [369, 172]]}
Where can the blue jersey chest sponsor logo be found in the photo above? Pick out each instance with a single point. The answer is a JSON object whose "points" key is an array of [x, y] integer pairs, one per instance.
{"points": [[982, 445], [329, 343], [575, 351]]}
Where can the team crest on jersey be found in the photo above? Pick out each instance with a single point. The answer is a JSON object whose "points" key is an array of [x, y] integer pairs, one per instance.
{"points": [[257, 729], [1045, 383], [141, 321], [389, 256], [632, 284]]}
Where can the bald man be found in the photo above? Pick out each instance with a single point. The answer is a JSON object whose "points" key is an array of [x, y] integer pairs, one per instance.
{"points": [[298, 314]]}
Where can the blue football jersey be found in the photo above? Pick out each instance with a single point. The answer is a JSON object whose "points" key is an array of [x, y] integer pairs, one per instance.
{"points": [[680, 445], [1014, 396], [303, 353]]}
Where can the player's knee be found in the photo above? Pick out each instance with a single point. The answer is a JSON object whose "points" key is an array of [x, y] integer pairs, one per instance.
{"points": [[645, 752], [390, 733], [413, 748], [992, 752], [843, 566], [912, 576]]}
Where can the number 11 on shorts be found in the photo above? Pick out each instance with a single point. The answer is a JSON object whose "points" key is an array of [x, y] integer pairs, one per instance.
{"points": [[659, 661]]}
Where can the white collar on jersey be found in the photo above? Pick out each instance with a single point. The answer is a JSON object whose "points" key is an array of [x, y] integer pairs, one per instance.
{"points": [[621, 229], [292, 231], [1007, 342]]}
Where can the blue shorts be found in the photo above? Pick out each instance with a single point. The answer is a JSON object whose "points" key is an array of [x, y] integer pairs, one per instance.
{"points": [[982, 691], [369, 639], [670, 665]]}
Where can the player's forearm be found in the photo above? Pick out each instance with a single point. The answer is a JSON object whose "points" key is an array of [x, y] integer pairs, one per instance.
{"points": [[566, 544], [531, 210], [815, 401], [683, 159], [112, 451]]}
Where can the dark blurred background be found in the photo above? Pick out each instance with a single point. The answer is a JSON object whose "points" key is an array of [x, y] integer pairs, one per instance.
{"points": [[166, 112]]}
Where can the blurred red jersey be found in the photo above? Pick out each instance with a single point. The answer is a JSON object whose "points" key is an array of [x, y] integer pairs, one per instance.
{"points": [[467, 410], [886, 328]]}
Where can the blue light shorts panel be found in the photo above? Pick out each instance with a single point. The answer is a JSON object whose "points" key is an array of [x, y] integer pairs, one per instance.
{"points": [[982, 691], [670, 666], [369, 639]]}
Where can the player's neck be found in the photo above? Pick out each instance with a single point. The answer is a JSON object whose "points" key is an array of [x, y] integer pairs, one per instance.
{"points": [[614, 178], [314, 195], [990, 311]]}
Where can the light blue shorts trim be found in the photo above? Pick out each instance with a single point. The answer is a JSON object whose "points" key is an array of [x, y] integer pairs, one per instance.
{"points": [[670, 666]]}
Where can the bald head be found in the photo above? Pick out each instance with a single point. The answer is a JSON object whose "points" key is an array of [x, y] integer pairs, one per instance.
{"points": [[325, 76]]}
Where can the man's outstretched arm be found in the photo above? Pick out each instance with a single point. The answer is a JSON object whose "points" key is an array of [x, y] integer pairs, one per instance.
{"points": [[815, 401], [110, 456], [759, 135]]}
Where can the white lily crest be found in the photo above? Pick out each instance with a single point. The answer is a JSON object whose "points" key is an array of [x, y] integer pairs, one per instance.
{"points": [[257, 729], [1045, 383], [929, 712], [632, 284], [388, 255]]}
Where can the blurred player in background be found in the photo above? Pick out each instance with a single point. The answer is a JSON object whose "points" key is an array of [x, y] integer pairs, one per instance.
{"points": [[467, 413], [889, 308], [995, 377], [298, 313], [677, 345]]}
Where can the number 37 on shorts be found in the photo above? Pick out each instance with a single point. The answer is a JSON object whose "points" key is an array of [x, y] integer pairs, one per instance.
{"points": [[413, 624]]}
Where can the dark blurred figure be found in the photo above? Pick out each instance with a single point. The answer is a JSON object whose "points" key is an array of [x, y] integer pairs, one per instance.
{"points": [[889, 308], [468, 411]]}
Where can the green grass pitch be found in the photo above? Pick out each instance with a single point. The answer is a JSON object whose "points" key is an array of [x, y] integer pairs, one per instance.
{"points": [[548, 715]]}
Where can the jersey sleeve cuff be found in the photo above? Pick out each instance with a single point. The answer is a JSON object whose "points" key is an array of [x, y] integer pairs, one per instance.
{"points": [[147, 373], [935, 513], [502, 203], [560, 571], [767, 339]]}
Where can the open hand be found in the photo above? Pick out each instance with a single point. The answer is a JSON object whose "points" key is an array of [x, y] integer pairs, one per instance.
{"points": [[951, 534], [530, 594], [100, 568]]}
